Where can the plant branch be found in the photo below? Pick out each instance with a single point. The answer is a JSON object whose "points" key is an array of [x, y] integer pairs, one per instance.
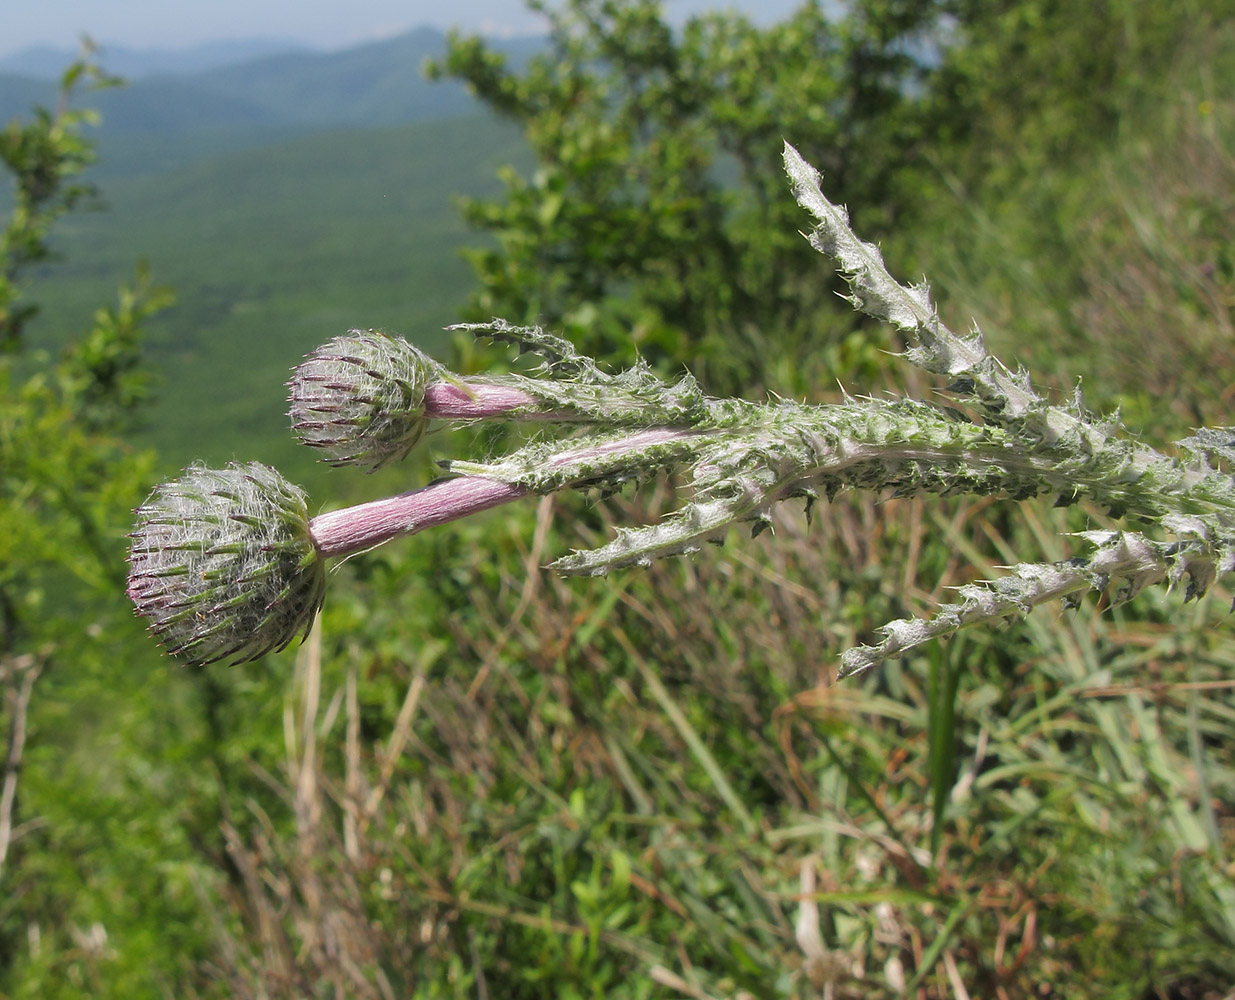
{"points": [[229, 564], [18, 676]]}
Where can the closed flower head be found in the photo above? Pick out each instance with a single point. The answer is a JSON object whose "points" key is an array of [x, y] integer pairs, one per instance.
{"points": [[223, 564], [361, 398]]}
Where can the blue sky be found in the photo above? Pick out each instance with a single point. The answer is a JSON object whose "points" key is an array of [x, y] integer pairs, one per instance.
{"points": [[315, 23]]}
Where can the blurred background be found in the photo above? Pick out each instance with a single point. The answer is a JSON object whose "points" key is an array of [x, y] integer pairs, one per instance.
{"points": [[476, 779]]}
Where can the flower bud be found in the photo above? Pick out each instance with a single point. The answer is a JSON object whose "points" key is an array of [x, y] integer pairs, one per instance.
{"points": [[361, 397], [223, 564]]}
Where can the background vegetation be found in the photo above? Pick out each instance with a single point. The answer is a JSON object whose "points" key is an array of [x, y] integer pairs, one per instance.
{"points": [[479, 780]]}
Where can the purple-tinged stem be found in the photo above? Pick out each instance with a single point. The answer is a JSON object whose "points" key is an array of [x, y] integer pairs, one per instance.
{"points": [[355, 529], [473, 400]]}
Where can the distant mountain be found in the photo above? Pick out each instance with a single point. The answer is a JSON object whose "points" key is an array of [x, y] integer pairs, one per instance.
{"points": [[19, 93], [380, 83], [375, 84], [45, 62]]}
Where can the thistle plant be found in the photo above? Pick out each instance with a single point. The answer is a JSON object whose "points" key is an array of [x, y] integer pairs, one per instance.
{"points": [[229, 565]]}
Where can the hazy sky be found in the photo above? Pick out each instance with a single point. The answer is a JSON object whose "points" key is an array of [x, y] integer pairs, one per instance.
{"points": [[316, 23]]}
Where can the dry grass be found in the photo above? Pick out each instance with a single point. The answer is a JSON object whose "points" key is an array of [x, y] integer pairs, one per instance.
{"points": [[502, 784], [592, 790]]}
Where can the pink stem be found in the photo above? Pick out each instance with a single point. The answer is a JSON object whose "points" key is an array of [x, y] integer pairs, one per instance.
{"points": [[449, 401], [355, 529]]}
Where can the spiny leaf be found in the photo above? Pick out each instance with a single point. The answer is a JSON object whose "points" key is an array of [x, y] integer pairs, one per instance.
{"points": [[1128, 558]]}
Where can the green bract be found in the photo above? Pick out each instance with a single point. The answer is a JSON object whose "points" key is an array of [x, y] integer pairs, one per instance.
{"points": [[223, 564], [361, 398]]}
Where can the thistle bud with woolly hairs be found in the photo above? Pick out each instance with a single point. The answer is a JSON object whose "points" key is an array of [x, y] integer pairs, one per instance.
{"points": [[224, 565], [361, 398]]}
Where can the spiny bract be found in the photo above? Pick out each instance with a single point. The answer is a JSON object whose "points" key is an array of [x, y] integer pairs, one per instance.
{"points": [[223, 564]]}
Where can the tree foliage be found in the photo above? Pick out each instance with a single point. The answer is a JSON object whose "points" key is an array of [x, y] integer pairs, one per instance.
{"points": [[656, 217], [68, 481], [62, 460]]}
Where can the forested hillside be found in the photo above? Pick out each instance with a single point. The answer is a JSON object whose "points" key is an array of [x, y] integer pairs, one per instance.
{"points": [[378, 83], [272, 251], [480, 778]]}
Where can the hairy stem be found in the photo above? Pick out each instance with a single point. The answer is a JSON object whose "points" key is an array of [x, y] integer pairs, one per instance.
{"points": [[356, 529]]}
